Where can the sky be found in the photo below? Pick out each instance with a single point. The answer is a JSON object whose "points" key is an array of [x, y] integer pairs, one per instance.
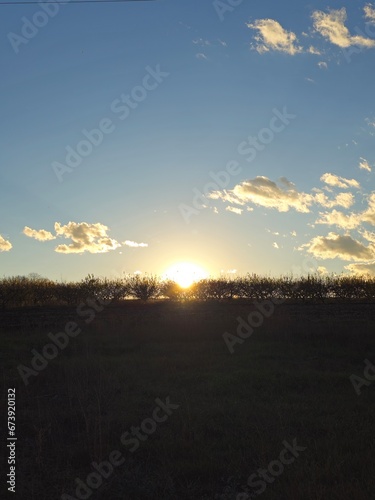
{"points": [[234, 135]]}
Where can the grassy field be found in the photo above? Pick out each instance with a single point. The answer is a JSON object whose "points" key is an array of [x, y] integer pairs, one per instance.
{"points": [[289, 380]]}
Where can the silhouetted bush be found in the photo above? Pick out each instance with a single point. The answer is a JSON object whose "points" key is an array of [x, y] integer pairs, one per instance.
{"points": [[34, 290]]}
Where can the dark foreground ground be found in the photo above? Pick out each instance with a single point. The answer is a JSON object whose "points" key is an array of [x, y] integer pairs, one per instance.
{"points": [[289, 381]]}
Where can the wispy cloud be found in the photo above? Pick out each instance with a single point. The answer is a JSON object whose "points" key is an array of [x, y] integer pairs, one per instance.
{"points": [[339, 219], [345, 200], [38, 234], [266, 193], [201, 42], [283, 197], [272, 36], [314, 50], [134, 244], [332, 27], [235, 210], [370, 13], [364, 164], [341, 182]]}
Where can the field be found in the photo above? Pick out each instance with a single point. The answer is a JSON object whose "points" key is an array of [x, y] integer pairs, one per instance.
{"points": [[230, 414]]}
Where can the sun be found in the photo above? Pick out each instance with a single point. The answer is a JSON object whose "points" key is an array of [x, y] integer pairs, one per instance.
{"points": [[185, 274]]}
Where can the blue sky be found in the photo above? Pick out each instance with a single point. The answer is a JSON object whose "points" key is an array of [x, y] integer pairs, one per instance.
{"points": [[217, 76]]}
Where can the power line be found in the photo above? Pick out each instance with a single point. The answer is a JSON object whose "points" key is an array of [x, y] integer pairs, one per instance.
{"points": [[70, 1]]}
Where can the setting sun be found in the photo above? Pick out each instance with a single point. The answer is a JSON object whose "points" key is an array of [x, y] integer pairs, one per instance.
{"points": [[185, 273]]}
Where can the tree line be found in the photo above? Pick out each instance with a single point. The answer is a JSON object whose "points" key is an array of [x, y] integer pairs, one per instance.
{"points": [[33, 290]]}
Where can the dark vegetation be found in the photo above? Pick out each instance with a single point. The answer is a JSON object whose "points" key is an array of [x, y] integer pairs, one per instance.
{"points": [[290, 379], [21, 291]]}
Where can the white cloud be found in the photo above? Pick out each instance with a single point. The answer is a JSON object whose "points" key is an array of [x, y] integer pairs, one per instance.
{"points": [[235, 210], [369, 13], [345, 200], [335, 245], [339, 219], [331, 26], [371, 123], [275, 245], [364, 164], [201, 56], [352, 220], [362, 269], [133, 244], [335, 180], [314, 50], [272, 36], [201, 42], [40, 235], [369, 214], [266, 193], [85, 237], [5, 245], [369, 236], [322, 65], [229, 271], [322, 270]]}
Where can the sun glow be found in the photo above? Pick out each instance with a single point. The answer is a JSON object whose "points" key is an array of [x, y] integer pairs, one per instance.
{"points": [[185, 274]]}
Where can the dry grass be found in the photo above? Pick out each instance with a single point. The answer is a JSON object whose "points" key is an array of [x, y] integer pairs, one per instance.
{"points": [[290, 379]]}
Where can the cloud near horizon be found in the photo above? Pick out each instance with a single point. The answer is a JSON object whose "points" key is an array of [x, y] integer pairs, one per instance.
{"points": [[362, 269], [266, 193], [85, 237], [263, 192], [5, 245], [337, 246]]}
